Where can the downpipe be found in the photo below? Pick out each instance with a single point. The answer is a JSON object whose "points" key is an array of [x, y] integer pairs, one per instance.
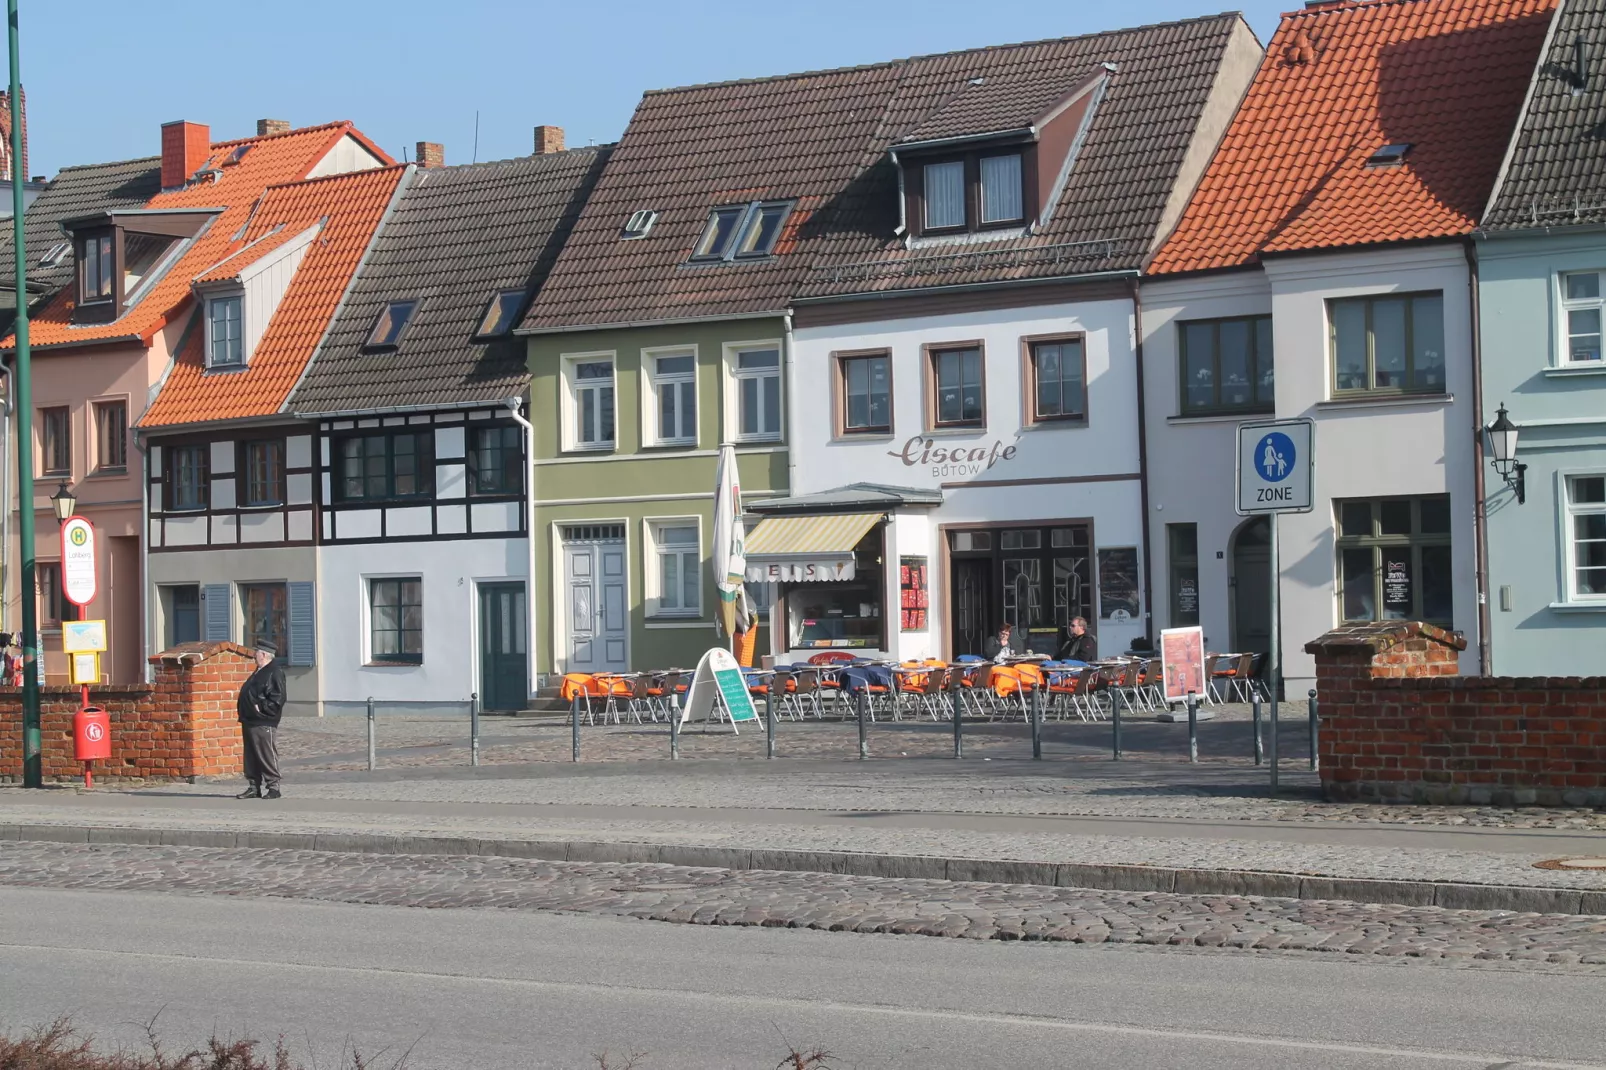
{"points": [[514, 407]]}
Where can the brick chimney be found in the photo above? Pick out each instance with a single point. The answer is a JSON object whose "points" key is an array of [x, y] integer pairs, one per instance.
{"points": [[430, 154], [548, 139], [265, 127], [185, 147]]}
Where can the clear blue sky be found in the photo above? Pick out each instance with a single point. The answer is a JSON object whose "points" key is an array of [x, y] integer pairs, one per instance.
{"points": [[103, 75]]}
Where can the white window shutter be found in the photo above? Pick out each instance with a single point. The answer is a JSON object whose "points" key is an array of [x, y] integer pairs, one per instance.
{"points": [[303, 612], [215, 612]]}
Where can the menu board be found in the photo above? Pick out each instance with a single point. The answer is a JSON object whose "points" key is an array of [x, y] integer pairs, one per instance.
{"points": [[1182, 663], [1118, 584], [1396, 584], [914, 600], [1188, 597]]}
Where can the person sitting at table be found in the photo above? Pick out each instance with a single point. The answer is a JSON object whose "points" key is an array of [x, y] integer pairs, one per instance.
{"points": [[1004, 646], [1080, 644]]}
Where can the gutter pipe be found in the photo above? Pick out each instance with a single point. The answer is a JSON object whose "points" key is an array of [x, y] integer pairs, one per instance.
{"points": [[1143, 463], [1480, 515], [514, 405]]}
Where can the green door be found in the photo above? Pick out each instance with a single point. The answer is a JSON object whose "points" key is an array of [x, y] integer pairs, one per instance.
{"points": [[502, 657]]}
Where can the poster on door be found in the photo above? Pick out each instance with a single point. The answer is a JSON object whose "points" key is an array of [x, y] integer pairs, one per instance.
{"points": [[1118, 584], [913, 594], [1396, 585]]}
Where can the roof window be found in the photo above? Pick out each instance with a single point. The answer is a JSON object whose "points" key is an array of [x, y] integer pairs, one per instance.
{"points": [[500, 313], [391, 324], [55, 254], [236, 156], [639, 224], [1391, 155], [742, 232]]}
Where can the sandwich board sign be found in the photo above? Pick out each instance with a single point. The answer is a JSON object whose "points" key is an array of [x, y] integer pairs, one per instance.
{"points": [[1275, 464], [719, 679]]}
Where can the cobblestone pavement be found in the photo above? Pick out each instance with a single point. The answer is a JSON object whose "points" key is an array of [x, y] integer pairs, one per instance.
{"points": [[819, 901]]}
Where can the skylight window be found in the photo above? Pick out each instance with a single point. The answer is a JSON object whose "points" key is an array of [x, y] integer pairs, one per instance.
{"points": [[743, 232], [55, 254], [1391, 155], [639, 224], [500, 313], [237, 155], [391, 324]]}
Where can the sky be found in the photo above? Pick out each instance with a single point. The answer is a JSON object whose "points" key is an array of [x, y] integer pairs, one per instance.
{"points": [[103, 75]]}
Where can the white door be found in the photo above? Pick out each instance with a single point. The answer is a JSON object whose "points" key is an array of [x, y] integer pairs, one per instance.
{"points": [[595, 578]]}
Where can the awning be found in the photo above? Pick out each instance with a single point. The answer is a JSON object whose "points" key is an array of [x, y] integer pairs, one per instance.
{"points": [[801, 549]]}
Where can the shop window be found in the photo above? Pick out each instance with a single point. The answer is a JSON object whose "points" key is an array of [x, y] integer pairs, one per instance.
{"points": [[1226, 366], [847, 614], [1394, 559], [1388, 344], [1182, 542]]}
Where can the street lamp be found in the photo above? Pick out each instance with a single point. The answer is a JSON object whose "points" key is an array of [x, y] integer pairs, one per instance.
{"points": [[65, 502], [1503, 445]]}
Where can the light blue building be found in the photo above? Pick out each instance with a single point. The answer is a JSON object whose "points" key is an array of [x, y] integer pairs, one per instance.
{"points": [[1541, 256]]}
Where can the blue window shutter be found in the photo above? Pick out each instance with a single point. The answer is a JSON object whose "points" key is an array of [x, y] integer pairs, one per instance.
{"points": [[303, 625], [215, 612]]}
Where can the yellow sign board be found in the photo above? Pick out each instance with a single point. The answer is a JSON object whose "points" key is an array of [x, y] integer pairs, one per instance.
{"points": [[85, 668], [83, 636]]}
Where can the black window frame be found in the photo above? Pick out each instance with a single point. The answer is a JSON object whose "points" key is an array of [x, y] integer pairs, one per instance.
{"points": [[934, 355], [1034, 395], [116, 462], [501, 314], [104, 261], [247, 477], [203, 486], [1372, 390], [1258, 368], [844, 426], [745, 218], [915, 185], [424, 461], [1182, 566], [1379, 543], [510, 462], [385, 318], [55, 440], [399, 656]]}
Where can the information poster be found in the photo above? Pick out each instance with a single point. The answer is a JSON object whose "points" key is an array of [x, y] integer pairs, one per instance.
{"points": [[1396, 584], [913, 594], [1183, 662], [1118, 584]]}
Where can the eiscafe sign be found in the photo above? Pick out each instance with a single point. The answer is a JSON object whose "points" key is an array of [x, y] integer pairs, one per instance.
{"points": [[951, 462]]}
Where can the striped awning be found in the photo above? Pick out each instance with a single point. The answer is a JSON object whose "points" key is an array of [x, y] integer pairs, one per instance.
{"points": [[804, 548]]}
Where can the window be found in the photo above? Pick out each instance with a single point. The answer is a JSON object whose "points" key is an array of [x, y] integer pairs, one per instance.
{"points": [[679, 572], [956, 377], [1058, 383], [674, 393], [55, 432], [392, 322], [593, 404], [1582, 307], [945, 195], [263, 465], [182, 608], [55, 254], [500, 313], [47, 586], [639, 224], [1394, 559], [95, 269], [225, 340], [496, 461], [141, 255], [866, 394], [758, 394], [1182, 541], [1001, 189], [264, 615], [188, 486], [1586, 510], [379, 467], [111, 436], [396, 620], [737, 232], [1226, 366], [1390, 344], [1391, 155]]}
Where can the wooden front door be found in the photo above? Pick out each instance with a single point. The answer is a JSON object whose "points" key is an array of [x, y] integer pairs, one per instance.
{"points": [[594, 581], [503, 663]]}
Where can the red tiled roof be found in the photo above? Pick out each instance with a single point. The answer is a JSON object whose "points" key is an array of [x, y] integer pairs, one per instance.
{"points": [[233, 264], [1337, 84], [352, 206], [273, 160]]}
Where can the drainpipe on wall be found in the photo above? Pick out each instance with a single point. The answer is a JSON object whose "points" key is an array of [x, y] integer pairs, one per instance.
{"points": [[1480, 519], [146, 602], [1143, 464], [513, 407], [5, 492], [786, 440]]}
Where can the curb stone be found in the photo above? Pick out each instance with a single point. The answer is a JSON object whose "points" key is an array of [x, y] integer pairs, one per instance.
{"points": [[1128, 878]]}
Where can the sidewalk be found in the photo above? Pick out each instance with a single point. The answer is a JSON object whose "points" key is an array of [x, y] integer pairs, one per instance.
{"points": [[1146, 826]]}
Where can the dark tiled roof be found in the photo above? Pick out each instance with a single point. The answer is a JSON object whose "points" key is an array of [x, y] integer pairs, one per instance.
{"points": [[78, 191], [821, 138], [457, 236], [1555, 174]]}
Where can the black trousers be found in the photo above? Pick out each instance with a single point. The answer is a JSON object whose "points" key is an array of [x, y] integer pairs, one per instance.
{"points": [[261, 754]]}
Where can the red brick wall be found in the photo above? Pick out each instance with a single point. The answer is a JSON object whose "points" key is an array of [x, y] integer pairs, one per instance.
{"points": [[181, 726], [1398, 724]]}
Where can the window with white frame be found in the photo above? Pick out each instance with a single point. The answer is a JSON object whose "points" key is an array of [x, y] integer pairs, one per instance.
{"points": [[225, 336], [757, 375], [679, 573], [674, 398], [1583, 307], [1586, 536], [591, 387]]}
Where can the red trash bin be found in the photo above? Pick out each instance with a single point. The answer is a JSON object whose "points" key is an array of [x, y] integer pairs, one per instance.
{"points": [[92, 738]]}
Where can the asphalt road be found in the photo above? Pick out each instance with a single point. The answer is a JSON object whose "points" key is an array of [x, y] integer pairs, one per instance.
{"points": [[490, 989]]}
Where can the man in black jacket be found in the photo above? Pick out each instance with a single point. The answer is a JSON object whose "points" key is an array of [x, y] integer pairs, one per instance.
{"points": [[1080, 645], [261, 705]]}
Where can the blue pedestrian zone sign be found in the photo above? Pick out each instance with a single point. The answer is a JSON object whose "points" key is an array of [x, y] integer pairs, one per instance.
{"points": [[1275, 467]]}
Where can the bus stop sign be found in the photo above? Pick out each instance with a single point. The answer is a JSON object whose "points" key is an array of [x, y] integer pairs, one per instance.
{"points": [[1275, 466]]}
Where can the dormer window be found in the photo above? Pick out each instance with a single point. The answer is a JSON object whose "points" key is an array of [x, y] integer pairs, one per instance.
{"points": [[500, 314], [225, 334], [391, 324], [95, 271], [742, 232], [977, 191], [141, 254]]}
